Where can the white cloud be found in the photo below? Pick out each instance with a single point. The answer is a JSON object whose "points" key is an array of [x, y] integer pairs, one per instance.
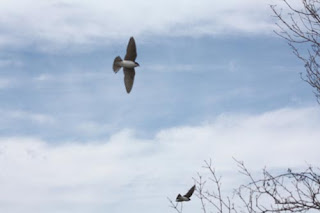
{"points": [[60, 22], [93, 128], [5, 83], [10, 63], [98, 176], [170, 68], [14, 115]]}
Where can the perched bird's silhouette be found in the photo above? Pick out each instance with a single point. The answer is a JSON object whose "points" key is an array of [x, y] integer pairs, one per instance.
{"points": [[187, 196], [128, 64]]}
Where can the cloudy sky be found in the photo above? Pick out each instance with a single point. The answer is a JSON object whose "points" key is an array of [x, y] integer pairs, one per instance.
{"points": [[214, 82]]}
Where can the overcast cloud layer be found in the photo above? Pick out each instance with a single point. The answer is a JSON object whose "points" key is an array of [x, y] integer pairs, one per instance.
{"points": [[54, 24], [127, 172]]}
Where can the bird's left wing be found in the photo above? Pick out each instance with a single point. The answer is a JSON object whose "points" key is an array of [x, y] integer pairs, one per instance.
{"points": [[128, 78], [131, 54], [190, 192]]}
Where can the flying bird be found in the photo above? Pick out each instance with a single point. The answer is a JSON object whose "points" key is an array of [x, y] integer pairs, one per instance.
{"points": [[187, 196], [128, 64]]}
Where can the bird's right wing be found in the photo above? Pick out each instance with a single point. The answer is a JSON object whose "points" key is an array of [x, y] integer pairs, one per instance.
{"points": [[190, 192], [128, 78], [131, 54]]}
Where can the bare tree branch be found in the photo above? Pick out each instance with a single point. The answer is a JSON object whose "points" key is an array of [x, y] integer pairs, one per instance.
{"points": [[175, 206], [301, 29], [288, 191]]}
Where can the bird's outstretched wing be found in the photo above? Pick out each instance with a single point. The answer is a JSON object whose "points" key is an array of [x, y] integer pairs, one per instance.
{"points": [[131, 50], [190, 192], [128, 78]]}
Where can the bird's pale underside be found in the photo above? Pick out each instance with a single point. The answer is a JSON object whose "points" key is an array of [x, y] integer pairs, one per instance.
{"points": [[128, 64], [187, 196]]}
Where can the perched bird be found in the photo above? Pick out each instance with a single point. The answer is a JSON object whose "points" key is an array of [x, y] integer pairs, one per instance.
{"points": [[187, 196], [128, 64]]}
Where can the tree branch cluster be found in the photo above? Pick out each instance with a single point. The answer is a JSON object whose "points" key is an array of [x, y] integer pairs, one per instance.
{"points": [[301, 28], [286, 192]]}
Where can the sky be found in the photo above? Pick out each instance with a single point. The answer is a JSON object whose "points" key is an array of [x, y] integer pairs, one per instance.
{"points": [[214, 82]]}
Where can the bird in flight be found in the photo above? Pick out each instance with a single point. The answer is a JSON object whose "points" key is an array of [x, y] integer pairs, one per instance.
{"points": [[187, 196], [128, 64]]}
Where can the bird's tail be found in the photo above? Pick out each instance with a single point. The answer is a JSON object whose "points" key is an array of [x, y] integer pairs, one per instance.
{"points": [[116, 64]]}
